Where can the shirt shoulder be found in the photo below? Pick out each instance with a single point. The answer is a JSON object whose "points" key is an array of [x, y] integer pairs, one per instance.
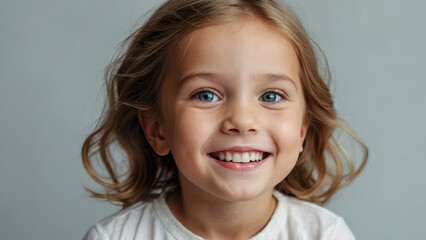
{"points": [[305, 220], [139, 219]]}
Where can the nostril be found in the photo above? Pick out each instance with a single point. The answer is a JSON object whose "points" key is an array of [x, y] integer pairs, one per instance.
{"points": [[234, 130]]}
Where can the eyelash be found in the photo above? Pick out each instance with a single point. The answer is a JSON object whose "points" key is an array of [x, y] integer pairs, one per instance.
{"points": [[195, 93], [276, 91]]}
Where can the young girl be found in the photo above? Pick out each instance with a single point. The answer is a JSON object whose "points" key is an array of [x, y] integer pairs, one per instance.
{"points": [[226, 125]]}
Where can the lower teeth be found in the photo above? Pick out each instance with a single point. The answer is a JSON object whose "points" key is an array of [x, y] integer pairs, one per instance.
{"points": [[239, 162]]}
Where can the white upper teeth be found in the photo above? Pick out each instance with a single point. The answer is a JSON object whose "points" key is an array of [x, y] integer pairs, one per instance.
{"points": [[240, 157]]}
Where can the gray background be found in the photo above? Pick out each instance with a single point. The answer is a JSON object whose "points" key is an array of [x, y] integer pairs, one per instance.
{"points": [[52, 58]]}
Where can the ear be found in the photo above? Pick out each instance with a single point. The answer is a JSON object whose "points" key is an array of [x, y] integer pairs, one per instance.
{"points": [[304, 130], [153, 131]]}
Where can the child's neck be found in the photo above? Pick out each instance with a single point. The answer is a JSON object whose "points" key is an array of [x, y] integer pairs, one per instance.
{"points": [[213, 219]]}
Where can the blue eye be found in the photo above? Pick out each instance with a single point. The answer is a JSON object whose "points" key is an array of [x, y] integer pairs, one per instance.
{"points": [[270, 97], [206, 96]]}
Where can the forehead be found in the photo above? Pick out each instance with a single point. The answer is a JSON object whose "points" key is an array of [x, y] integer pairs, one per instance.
{"points": [[241, 47]]}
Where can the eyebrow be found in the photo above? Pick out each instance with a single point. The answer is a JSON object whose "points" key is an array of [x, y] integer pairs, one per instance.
{"points": [[205, 75], [211, 76], [280, 77]]}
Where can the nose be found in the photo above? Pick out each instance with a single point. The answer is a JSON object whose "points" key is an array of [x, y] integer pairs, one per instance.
{"points": [[240, 119]]}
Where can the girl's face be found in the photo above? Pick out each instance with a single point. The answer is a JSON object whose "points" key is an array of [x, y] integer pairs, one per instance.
{"points": [[232, 110]]}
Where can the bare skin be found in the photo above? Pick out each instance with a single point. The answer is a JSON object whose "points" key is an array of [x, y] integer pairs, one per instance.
{"points": [[233, 88], [226, 220]]}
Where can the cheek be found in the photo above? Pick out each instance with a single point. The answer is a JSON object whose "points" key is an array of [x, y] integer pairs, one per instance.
{"points": [[190, 128], [191, 131], [286, 130], [288, 141]]}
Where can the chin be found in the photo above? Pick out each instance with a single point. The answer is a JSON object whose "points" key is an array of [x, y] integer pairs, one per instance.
{"points": [[243, 194]]}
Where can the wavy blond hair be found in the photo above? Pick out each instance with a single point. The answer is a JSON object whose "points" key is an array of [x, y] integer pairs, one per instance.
{"points": [[133, 83]]}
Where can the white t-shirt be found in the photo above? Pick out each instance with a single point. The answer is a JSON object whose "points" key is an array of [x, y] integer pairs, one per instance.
{"points": [[293, 219]]}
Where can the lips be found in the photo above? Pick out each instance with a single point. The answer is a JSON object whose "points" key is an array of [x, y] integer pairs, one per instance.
{"points": [[239, 157]]}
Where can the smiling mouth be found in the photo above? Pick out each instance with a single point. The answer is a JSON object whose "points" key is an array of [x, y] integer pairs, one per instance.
{"points": [[239, 157]]}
